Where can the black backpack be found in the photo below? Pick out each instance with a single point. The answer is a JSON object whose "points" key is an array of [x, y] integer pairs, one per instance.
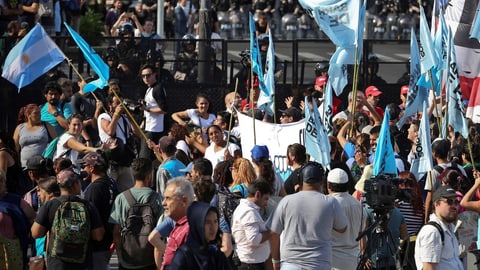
{"points": [[227, 203], [405, 256], [140, 221]]}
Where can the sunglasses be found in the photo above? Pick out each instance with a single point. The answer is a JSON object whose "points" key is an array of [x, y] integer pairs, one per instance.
{"points": [[146, 75], [451, 201]]}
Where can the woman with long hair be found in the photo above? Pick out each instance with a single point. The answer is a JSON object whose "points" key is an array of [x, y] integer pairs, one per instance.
{"points": [[69, 146], [200, 117], [178, 133], [243, 174], [410, 202], [31, 135]]}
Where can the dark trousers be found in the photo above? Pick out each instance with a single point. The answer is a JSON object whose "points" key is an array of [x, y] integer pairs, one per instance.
{"points": [[251, 266], [146, 152]]}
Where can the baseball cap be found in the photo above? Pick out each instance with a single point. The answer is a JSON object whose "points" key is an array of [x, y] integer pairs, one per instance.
{"points": [[92, 159], [321, 80], [404, 90], [293, 112], [166, 143], [67, 177], [312, 173], [373, 91], [36, 163], [260, 151], [444, 192], [337, 176]]}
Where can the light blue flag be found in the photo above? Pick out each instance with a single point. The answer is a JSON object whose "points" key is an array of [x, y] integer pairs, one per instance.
{"points": [[475, 30], [423, 160], [95, 61], [428, 55], [416, 94], [440, 43], [255, 56], [456, 110], [341, 21], [266, 99], [316, 139], [327, 114], [33, 56], [384, 162]]}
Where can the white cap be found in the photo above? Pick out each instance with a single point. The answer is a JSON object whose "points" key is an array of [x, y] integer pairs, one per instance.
{"points": [[337, 176]]}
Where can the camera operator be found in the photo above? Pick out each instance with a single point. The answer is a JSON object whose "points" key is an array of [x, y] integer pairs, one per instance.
{"points": [[383, 239], [116, 124]]}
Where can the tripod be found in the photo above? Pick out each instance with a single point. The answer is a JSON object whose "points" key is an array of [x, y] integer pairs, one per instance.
{"points": [[379, 242]]}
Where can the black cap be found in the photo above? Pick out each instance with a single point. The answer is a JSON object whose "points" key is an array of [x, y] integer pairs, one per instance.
{"points": [[312, 173], [444, 192]]}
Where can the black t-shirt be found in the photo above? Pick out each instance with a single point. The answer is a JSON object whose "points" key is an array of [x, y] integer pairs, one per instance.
{"points": [[45, 217], [291, 181], [102, 193]]}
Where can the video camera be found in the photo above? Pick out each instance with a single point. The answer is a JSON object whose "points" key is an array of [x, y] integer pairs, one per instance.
{"points": [[133, 106], [382, 191]]}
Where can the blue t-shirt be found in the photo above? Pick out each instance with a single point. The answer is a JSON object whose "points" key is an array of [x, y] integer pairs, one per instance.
{"points": [[63, 108]]}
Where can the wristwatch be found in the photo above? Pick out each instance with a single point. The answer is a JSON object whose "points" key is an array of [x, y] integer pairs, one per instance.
{"points": [[55, 114]]}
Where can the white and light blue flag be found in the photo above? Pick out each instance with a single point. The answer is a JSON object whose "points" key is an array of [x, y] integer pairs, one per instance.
{"points": [[342, 21], [33, 56], [456, 110], [423, 160], [267, 95], [316, 139]]}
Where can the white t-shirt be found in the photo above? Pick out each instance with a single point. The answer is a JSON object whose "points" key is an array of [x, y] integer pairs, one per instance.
{"points": [[182, 145], [119, 132], [216, 157], [200, 121], [62, 149], [153, 121]]}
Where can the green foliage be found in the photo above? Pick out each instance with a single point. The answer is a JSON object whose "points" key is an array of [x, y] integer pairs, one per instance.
{"points": [[91, 27]]}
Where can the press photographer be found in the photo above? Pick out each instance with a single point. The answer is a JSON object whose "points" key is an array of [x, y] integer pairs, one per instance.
{"points": [[115, 124]]}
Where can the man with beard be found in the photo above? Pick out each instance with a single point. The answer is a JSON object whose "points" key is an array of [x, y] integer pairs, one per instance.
{"points": [[54, 111], [432, 250]]}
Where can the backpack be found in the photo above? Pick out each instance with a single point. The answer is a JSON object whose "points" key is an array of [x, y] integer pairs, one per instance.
{"points": [[405, 256], [10, 205], [71, 230], [140, 221], [227, 203]]}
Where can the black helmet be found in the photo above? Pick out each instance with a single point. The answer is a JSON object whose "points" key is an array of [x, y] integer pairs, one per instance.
{"points": [[312, 173], [263, 39], [321, 67], [188, 39], [110, 52], [125, 28], [155, 56]]}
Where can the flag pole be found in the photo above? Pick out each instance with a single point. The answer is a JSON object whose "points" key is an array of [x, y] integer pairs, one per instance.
{"points": [[469, 143], [252, 103], [81, 77], [231, 116], [354, 93], [439, 118], [130, 116]]}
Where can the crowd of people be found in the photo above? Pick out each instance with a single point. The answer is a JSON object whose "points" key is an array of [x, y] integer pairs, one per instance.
{"points": [[185, 174], [86, 174]]}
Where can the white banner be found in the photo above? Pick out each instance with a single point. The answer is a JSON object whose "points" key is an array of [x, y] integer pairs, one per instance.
{"points": [[277, 137]]}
